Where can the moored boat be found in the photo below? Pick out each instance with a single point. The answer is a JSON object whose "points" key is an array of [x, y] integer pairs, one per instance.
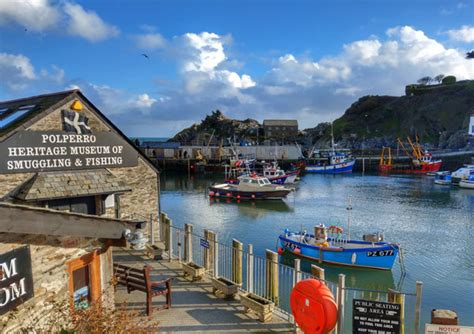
{"points": [[372, 253], [276, 175], [421, 162], [467, 183], [332, 162], [249, 188], [442, 178], [462, 173]]}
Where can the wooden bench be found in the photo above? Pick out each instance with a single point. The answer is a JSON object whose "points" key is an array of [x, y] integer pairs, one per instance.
{"points": [[139, 279]]}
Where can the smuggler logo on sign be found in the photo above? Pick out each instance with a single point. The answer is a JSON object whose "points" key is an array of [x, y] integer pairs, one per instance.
{"points": [[36, 151], [375, 317], [16, 280]]}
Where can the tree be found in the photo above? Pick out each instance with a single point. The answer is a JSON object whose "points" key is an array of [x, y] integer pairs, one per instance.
{"points": [[470, 54], [425, 80], [439, 78]]}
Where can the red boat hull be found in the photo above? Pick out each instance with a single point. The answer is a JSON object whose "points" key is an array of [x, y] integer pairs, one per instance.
{"points": [[411, 169]]}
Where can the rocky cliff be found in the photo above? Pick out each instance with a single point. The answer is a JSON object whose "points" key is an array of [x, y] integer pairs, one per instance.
{"points": [[217, 129], [439, 117]]}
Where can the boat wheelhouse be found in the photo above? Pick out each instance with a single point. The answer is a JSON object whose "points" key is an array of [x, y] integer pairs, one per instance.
{"points": [[462, 173]]}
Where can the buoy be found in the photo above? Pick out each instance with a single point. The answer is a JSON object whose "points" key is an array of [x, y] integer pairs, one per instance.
{"points": [[297, 251], [229, 194], [238, 196], [280, 250], [211, 193], [217, 194], [253, 195], [313, 307]]}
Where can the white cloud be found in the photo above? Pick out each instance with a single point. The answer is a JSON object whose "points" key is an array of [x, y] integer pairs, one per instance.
{"points": [[35, 15], [16, 71], [145, 101], [87, 24], [464, 34], [41, 15], [150, 41]]}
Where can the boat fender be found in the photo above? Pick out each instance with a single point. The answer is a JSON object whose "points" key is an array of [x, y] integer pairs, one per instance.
{"points": [[238, 196], [297, 250], [354, 258], [229, 194], [313, 306], [280, 250], [217, 194], [253, 196], [211, 193]]}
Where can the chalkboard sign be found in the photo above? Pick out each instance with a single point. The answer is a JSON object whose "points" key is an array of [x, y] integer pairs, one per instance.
{"points": [[204, 243], [16, 281], [375, 317]]}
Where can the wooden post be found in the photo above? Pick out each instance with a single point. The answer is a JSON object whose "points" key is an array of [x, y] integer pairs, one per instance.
{"points": [[340, 303], [167, 224], [419, 288], [216, 256], [271, 275], [188, 243], [250, 268], [163, 217], [317, 272], [237, 255], [398, 298], [209, 252], [297, 276]]}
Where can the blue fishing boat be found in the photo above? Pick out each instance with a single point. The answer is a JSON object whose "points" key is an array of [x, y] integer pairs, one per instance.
{"points": [[330, 162], [335, 163], [369, 254]]}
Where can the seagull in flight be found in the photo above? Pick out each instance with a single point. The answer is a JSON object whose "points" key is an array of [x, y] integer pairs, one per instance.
{"points": [[146, 56]]}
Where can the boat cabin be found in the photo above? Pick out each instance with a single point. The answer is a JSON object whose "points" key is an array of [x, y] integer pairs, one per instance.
{"points": [[254, 181]]}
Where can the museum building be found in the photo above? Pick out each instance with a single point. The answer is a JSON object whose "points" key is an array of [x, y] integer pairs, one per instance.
{"points": [[71, 186]]}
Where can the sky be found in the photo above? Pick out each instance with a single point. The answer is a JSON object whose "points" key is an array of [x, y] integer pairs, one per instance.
{"points": [[156, 67]]}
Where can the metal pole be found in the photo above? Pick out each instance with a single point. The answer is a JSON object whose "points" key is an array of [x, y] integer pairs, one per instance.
{"points": [[152, 230], [237, 255], [178, 239], [250, 268], [340, 303], [419, 288]]}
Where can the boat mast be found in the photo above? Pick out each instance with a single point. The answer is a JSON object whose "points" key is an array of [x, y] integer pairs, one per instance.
{"points": [[332, 139], [349, 218]]}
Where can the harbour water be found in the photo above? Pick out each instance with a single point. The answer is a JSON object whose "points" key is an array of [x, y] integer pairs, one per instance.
{"points": [[434, 225]]}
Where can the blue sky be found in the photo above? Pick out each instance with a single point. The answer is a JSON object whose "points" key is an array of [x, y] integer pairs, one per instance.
{"points": [[307, 60]]}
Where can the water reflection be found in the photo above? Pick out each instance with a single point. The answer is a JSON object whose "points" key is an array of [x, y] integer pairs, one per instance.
{"points": [[360, 278], [254, 209]]}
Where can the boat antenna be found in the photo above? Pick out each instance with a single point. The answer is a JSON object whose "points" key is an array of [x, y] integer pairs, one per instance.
{"points": [[332, 138], [349, 218]]}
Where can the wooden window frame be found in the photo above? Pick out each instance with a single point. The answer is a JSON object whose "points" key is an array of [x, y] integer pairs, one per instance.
{"points": [[93, 261]]}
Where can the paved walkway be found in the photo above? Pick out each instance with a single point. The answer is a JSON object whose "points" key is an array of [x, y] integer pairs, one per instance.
{"points": [[194, 307]]}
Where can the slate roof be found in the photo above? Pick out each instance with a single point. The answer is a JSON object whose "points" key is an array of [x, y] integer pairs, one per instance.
{"points": [[39, 103], [280, 122], [51, 185]]}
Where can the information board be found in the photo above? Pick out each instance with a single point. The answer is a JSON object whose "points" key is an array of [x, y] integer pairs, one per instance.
{"points": [[204, 243], [375, 317], [16, 280], [446, 329]]}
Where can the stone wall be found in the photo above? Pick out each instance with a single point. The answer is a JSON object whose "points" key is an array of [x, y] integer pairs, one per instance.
{"points": [[143, 200], [9, 182], [49, 256]]}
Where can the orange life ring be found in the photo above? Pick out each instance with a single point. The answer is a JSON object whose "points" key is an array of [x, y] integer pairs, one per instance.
{"points": [[335, 229], [313, 307]]}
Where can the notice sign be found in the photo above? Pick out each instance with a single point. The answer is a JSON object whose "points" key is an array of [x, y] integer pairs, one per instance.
{"points": [[37, 151], [445, 329], [375, 317], [16, 280], [204, 243]]}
